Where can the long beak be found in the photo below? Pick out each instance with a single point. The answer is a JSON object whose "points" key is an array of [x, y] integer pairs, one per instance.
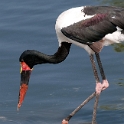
{"points": [[25, 76]]}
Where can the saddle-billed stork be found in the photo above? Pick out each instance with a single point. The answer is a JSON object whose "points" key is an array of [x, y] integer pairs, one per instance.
{"points": [[89, 27]]}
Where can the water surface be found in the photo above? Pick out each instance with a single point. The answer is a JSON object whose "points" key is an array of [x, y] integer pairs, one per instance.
{"points": [[54, 90]]}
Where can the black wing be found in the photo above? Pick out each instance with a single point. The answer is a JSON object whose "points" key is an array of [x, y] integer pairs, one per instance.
{"points": [[94, 29], [116, 14]]}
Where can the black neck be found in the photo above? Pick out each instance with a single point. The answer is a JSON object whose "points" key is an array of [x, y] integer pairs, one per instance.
{"points": [[33, 57], [60, 55]]}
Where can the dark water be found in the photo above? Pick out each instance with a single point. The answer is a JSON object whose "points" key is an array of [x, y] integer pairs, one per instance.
{"points": [[55, 90]]}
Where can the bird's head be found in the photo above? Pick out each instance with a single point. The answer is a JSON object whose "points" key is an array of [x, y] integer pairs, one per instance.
{"points": [[28, 59]]}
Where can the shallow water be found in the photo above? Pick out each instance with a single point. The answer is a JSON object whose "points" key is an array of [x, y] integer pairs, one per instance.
{"points": [[54, 90]]}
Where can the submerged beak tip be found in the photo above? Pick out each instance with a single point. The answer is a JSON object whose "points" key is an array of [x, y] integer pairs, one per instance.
{"points": [[18, 106]]}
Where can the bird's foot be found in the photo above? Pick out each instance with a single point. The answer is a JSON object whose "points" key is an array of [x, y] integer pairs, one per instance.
{"points": [[98, 88], [105, 84], [64, 121]]}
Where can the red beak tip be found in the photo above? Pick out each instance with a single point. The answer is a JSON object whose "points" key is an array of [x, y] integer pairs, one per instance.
{"points": [[18, 106]]}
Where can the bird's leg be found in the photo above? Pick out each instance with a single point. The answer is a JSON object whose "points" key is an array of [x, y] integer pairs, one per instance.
{"points": [[66, 120], [105, 83], [98, 84], [98, 88]]}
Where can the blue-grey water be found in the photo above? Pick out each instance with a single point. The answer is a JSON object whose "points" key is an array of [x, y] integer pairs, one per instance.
{"points": [[54, 90]]}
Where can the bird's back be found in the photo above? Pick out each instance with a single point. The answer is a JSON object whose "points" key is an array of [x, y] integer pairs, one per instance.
{"points": [[116, 14]]}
